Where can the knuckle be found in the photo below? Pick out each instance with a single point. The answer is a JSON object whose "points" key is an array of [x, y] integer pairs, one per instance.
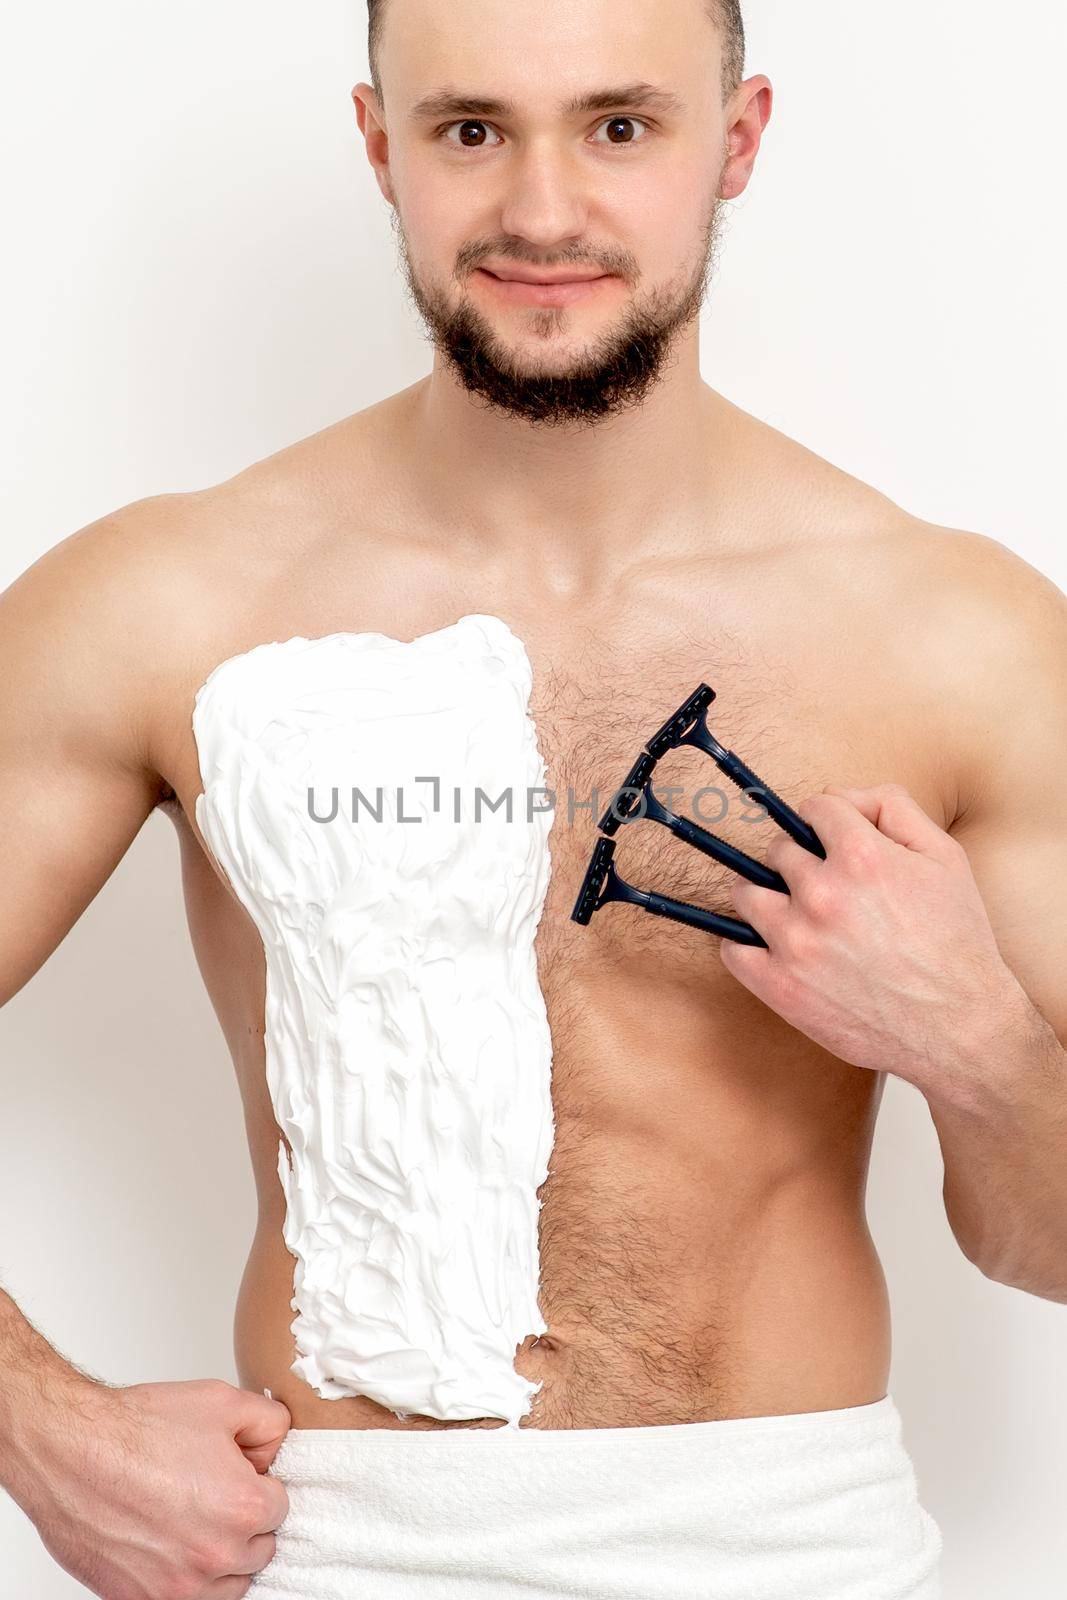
{"points": [[214, 1389], [244, 1512], [211, 1558], [817, 803], [822, 899], [858, 853]]}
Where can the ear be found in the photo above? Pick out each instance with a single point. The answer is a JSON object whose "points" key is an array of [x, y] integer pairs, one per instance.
{"points": [[748, 112], [371, 119]]}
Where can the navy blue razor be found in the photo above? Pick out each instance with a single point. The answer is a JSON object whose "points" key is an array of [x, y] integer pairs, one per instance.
{"points": [[635, 796], [603, 883], [636, 791], [689, 725]]}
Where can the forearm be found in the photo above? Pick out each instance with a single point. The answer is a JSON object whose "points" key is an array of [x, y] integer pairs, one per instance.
{"points": [[1004, 1143], [39, 1393]]}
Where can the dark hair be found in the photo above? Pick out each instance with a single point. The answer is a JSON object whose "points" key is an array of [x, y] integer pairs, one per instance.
{"points": [[725, 13]]}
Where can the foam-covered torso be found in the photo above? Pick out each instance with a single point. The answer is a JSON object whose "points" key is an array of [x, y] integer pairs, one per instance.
{"points": [[408, 1053]]}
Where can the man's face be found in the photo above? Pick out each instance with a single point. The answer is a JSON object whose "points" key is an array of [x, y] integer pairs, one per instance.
{"points": [[622, 192]]}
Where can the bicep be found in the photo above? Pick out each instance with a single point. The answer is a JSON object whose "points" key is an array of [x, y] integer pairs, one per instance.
{"points": [[1020, 865], [1014, 829], [73, 789]]}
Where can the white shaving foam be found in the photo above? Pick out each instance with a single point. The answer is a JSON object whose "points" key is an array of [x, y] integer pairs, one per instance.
{"points": [[408, 1052]]}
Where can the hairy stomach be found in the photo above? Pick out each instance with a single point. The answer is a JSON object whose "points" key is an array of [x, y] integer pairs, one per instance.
{"points": [[675, 1288]]}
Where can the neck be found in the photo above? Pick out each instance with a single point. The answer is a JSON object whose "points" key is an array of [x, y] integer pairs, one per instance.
{"points": [[576, 492]]}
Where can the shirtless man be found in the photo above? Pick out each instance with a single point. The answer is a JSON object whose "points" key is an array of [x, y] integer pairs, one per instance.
{"points": [[715, 1315]]}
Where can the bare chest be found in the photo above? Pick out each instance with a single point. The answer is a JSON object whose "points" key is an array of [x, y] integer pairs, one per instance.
{"points": [[594, 704], [798, 730], [628, 1113]]}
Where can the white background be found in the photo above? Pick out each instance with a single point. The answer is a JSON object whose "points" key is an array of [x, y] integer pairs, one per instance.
{"points": [[198, 270]]}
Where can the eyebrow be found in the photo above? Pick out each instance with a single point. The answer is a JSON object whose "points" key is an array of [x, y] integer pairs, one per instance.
{"points": [[450, 102]]}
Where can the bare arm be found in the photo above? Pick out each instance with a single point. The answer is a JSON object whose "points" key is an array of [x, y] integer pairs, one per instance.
{"points": [[1005, 1151], [75, 778], [75, 788], [154, 1490], [940, 956]]}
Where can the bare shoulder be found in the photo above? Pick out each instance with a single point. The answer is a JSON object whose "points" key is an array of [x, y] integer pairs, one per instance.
{"points": [[109, 588], [969, 643], [950, 586], [948, 636], [106, 637], [82, 629], [996, 639], [980, 614], [157, 580], [319, 473]]}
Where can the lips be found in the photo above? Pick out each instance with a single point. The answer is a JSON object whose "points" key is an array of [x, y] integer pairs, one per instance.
{"points": [[516, 275]]}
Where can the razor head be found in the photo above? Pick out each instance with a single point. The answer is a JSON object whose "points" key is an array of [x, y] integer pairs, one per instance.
{"points": [[627, 797], [599, 867], [682, 722]]}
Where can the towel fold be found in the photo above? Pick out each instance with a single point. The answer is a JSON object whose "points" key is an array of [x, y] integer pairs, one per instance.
{"points": [[818, 1505]]}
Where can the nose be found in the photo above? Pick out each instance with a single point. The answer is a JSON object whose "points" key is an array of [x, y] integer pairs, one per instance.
{"points": [[544, 200]]}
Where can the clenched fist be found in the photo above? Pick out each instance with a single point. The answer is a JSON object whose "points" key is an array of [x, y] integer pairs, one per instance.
{"points": [[158, 1491]]}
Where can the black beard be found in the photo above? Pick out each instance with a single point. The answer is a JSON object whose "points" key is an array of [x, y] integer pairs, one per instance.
{"points": [[615, 374]]}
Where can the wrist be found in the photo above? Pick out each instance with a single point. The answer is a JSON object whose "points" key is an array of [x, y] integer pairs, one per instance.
{"points": [[41, 1438], [42, 1397]]}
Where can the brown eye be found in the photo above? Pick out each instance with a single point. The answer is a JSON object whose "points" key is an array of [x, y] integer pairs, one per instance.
{"points": [[471, 134], [620, 130]]}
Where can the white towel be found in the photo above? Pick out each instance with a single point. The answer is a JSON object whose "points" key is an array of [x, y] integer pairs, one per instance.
{"points": [[818, 1505]]}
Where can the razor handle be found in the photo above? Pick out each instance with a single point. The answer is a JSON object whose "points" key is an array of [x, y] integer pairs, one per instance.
{"points": [[782, 814], [696, 917], [726, 854]]}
